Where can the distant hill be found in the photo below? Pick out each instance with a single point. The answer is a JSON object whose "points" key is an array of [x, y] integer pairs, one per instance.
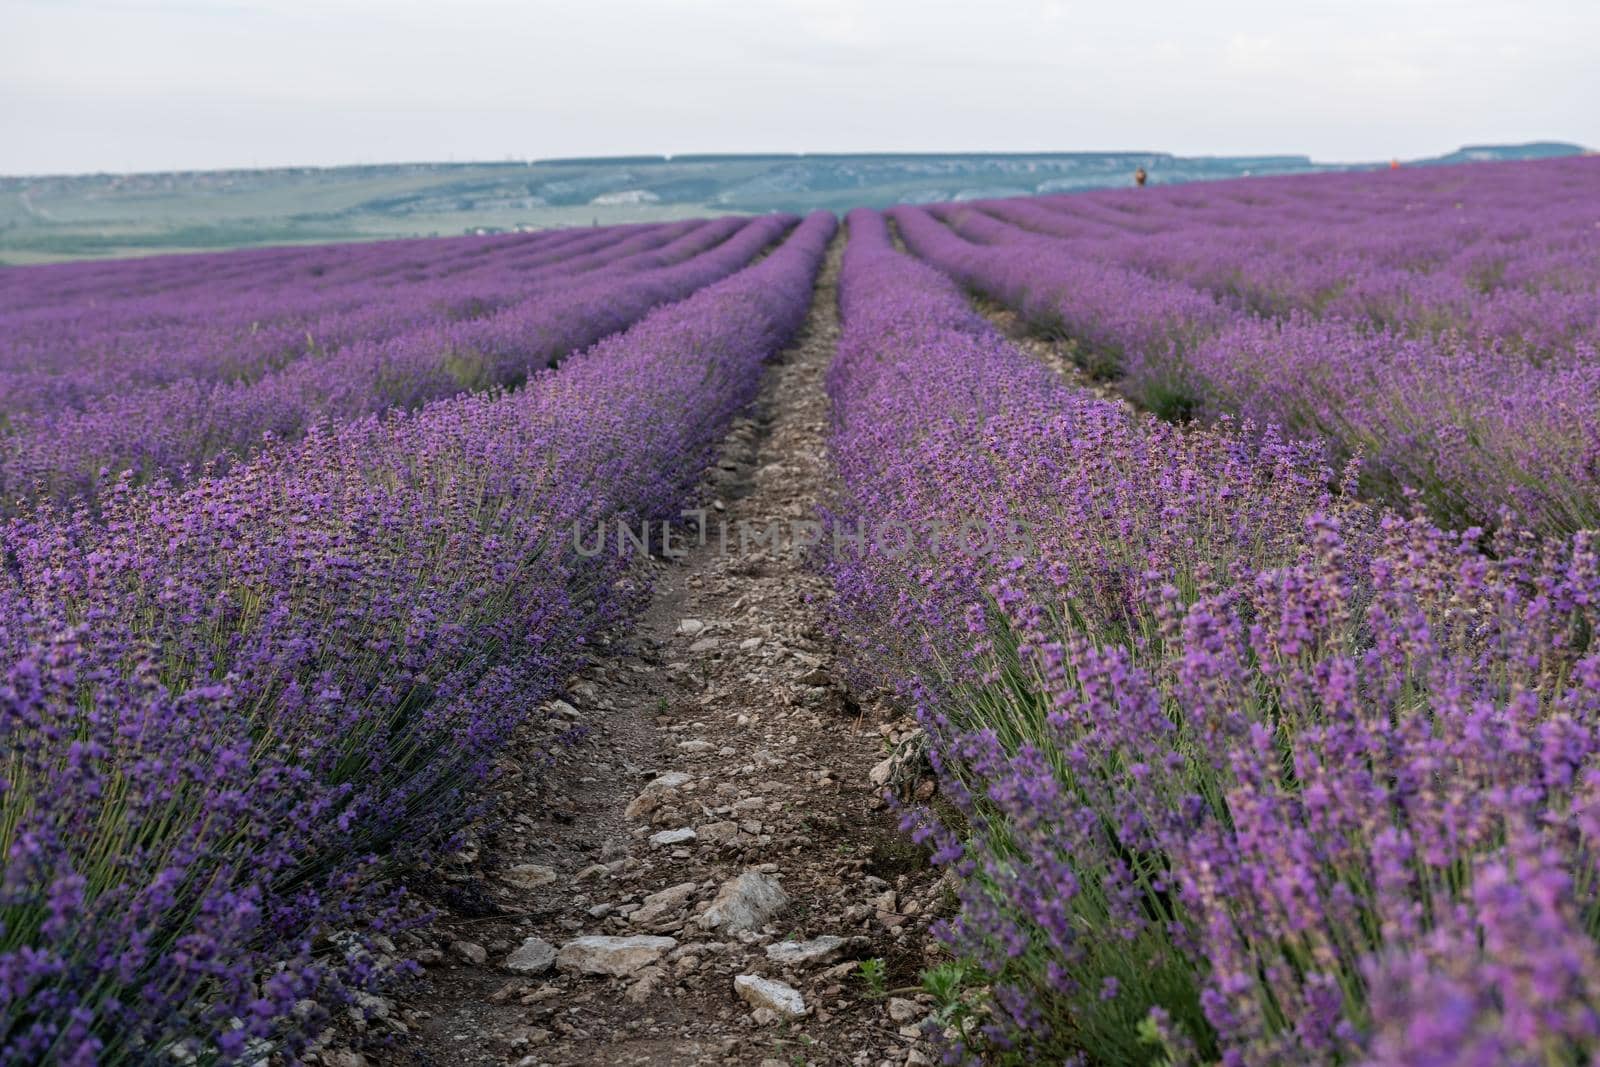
{"points": [[1489, 153], [78, 216]]}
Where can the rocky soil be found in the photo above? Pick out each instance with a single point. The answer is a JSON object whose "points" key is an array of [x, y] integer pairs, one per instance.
{"points": [[1060, 354], [699, 879]]}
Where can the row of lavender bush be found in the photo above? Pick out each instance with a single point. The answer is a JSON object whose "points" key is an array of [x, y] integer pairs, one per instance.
{"points": [[71, 289], [228, 709], [130, 330], [189, 423], [1238, 767], [1475, 423], [1505, 250]]}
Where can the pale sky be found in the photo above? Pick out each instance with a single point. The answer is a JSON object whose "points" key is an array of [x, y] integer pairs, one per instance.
{"points": [[182, 84]]}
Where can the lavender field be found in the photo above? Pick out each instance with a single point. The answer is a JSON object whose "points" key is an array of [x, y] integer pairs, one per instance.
{"points": [[1192, 657]]}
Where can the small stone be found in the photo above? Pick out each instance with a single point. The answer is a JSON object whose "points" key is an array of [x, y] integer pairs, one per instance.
{"points": [[659, 905], [817, 950], [760, 993], [903, 1011], [705, 644], [642, 805], [528, 875], [695, 746], [644, 987], [649, 800], [719, 833], [745, 903], [672, 837], [515, 987], [467, 952], [533, 956], [617, 956], [561, 709], [690, 627], [881, 773]]}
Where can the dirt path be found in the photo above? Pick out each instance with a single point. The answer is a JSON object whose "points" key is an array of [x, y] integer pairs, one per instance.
{"points": [[1057, 353], [720, 812]]}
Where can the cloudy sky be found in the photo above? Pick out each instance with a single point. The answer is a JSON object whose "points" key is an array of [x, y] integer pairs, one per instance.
{"points": [[173, 84]]}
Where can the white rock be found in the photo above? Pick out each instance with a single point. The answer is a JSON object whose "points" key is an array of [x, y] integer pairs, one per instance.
{"points": [[690, 627], [672, 837], [533, 956], [881, 773], [783, 1000], [650, 799], [817, 950], [468, 952], [529, 875], [745, 903], [619, 956], [658, 905], [670, 780]]}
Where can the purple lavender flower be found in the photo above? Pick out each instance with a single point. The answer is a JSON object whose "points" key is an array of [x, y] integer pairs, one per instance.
{"points": [[231, 711]]}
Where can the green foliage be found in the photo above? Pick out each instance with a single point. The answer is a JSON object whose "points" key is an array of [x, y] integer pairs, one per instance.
{"points": [[874, 975]]}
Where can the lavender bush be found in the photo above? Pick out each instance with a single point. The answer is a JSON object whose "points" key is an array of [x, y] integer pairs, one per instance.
{"points": [[1240, 768], [228, 709], [1453, 350], [147, 322], [188, 423]]}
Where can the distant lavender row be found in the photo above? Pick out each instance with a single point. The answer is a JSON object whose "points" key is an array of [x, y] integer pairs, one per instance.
{"points": [[1475, 424], [226, 709], [1518, 261], [1535, 291], [61, 288], [190, 423], [57, 359], [1119, 317], [1245, 768], [1509, 251]]}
